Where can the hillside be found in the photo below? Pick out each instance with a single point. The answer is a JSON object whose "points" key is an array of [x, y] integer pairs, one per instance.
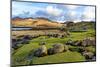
{"points": [[37, 22], [80, 26]]}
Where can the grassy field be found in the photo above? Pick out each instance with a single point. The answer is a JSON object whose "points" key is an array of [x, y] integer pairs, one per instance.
{"points": [[60, 58], [21, 55]]}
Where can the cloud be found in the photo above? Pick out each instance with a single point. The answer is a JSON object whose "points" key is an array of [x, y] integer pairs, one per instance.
{"points": [[89, 13], [72, 13], [53, 11], [21, 8], [72, 7]]}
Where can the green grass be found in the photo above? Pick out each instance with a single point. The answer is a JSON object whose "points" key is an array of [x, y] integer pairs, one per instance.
{"points": [[91, 49], [82, 35], [60, 57], [19, 57]]}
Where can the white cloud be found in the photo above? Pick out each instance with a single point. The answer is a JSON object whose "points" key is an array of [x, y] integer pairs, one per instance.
{"points": [[77, 20], [53, 11], [21, 7], [89, 13], [72, 7], [72, 13]]}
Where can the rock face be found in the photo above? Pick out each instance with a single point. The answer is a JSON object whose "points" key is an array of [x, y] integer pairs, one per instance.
{"points": [[88, 42], [41, 51]]}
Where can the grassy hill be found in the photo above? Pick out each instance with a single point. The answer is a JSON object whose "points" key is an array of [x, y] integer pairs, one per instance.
{"points": [[81, 26]]}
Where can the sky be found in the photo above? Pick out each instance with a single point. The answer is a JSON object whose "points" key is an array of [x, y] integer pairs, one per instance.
{"points": [[55, 12]]}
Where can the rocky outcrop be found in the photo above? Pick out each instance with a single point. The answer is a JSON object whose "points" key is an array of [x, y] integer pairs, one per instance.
{"points": [[85, 42]]}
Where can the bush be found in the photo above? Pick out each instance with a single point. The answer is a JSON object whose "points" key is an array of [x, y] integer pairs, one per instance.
{"points": [[74, 49], [77, 49]]}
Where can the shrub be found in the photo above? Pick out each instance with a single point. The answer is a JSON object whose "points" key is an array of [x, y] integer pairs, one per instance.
{"points": [[74, 49], [78, 49]]}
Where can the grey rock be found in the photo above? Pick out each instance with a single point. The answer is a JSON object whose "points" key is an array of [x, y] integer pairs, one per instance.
{"points": [[88, 55], [58, 48], [41, 51]]}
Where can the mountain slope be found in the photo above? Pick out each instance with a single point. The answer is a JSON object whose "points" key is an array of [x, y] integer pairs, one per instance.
{"points": [[38, 22]]}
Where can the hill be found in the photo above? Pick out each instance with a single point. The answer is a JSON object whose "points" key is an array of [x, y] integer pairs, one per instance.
{"points": [[80, 26], [37, 22]]}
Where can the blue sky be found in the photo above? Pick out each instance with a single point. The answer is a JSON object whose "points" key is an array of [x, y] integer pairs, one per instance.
{"points": [[54, 12]]}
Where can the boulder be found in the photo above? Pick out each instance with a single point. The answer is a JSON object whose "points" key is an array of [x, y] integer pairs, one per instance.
{"points": [[14, 46], [70, 42], [77, 43], [93, 42], [81, 49], [24, 41], [27, 37], [50, 51], [14, 40], [61, 36], [58, 48], [41, 51], [88, 42], [66, 48], [88, 55], [55, 35]]}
